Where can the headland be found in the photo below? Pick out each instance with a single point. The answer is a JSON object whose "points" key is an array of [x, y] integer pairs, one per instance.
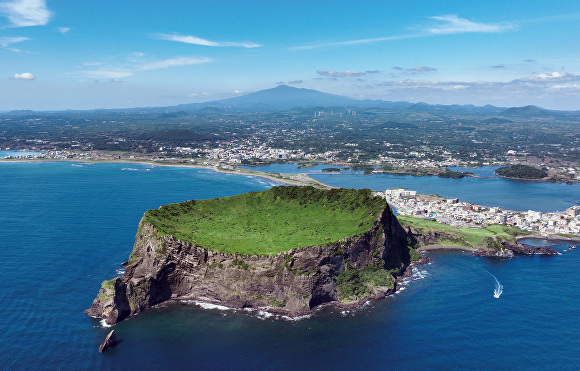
{"points": [[286, 250]]}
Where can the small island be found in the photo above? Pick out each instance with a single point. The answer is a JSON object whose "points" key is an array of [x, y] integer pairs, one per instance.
{"points": [[286, 250], [521, 172]]}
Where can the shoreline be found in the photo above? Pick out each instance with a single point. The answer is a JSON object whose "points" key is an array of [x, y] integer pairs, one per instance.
{"points": [[307, 180]]}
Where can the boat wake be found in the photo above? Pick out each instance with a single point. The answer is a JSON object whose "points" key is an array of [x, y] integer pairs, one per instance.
{"points": [[498, 286]]}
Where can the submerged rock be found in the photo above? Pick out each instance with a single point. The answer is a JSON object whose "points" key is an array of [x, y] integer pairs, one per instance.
{"points": [[110, 341]]}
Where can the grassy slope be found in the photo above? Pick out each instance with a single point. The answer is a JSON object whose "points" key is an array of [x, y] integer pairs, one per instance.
{"points": [[468, 237], [271, 221]]}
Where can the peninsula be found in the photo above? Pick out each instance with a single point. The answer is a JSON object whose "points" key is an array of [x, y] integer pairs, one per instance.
{"points": [[286, 250]]}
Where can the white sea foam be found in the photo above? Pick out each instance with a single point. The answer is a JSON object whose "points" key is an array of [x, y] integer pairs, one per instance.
{"points": [[105, 324], [401, 288], [419, 275], [498, 290], [261, 314], [210, 306], [120, 271]]}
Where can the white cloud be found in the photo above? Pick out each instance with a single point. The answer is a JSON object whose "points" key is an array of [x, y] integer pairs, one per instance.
{"points": [[174, 62], [414, 70], [23, 13], [63, 30], [451, 24], [340, 74], [446, 25], [5, 41], [199, 41], [129, 69], [108, 74], [550, 77], [24, 76], [352, 42], [91, 63], [422, 69]]}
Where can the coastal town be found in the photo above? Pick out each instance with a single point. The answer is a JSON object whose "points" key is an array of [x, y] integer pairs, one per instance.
{"points": [[226, 155], [454, 212]]}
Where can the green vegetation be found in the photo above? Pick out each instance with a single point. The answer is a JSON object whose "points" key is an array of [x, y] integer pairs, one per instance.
{"points": [[272, 221], [488, 237], [109, 285], [354, 283], [366, 168], [521, 172], [240, 264], [216, 265], [454, 174], [414, 254], [277, 302]]}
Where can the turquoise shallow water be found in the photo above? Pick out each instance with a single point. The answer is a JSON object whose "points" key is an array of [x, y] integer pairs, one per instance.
{"points": [[66, 227]]}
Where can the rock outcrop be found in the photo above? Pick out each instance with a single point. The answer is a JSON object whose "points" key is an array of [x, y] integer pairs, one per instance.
{"points": [[519, 248], [293, 283], [509, 250], [110, 341]]}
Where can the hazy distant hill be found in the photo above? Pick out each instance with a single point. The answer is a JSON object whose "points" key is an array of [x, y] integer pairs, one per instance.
{"points": [[453, 109], [527, 111], [285, 97], [281, 97]]}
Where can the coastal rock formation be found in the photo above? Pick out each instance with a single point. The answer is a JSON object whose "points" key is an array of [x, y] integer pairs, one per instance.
{"points": [[529, 250], [110, 341], [347, 272], [509, 250]]}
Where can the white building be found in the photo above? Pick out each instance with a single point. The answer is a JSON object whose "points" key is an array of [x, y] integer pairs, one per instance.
{"points": [[400, 192]]}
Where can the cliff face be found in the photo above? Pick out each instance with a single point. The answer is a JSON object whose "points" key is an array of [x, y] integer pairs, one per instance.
{"points": [[163, 268]]}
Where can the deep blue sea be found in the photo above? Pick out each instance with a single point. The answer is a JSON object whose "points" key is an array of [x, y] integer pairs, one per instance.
{"points": [[65, 227]]}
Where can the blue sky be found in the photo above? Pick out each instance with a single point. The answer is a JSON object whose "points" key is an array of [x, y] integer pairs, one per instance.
{"points": [[65, 54]]}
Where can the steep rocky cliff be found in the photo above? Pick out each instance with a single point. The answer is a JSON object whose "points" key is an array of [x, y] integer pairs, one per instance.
{"points": [[350, 271]]}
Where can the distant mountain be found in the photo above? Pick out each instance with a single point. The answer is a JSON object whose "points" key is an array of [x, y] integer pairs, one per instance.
{"points": [[281, 97], [287, 97], [19, 112], [453, 109], [526, 111]]}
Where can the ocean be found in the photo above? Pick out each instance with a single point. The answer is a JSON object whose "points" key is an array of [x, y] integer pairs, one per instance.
{"points": [[66, 227]]}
